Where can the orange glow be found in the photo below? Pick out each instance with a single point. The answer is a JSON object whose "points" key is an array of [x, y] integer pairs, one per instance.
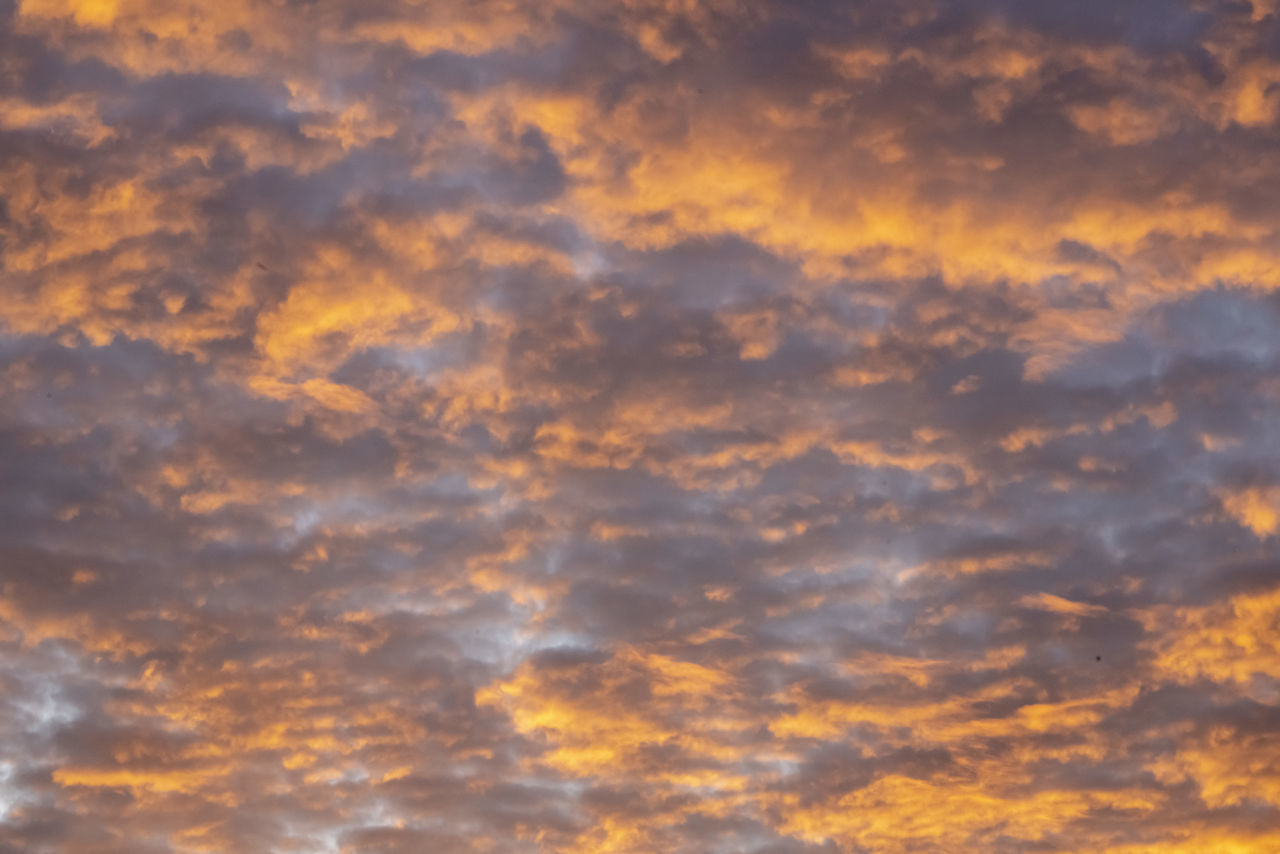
{"points": [[644, 426]]}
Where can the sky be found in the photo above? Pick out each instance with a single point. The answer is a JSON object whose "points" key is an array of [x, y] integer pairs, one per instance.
{"points": [[636, 426]]}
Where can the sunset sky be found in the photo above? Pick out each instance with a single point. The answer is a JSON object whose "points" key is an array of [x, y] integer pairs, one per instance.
{"points": [[639, 426]]}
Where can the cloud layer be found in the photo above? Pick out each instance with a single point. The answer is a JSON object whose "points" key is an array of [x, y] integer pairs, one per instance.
{"points": [[730, 426]]}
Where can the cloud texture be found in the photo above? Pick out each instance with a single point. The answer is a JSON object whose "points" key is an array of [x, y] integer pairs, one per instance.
{"points": [[693, 426]]}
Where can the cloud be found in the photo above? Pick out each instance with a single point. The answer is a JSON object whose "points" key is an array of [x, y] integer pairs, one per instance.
{"points": [[647, 426]]}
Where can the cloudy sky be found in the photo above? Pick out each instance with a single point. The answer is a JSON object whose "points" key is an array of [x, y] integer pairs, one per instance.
{"points": [[636, 426]]}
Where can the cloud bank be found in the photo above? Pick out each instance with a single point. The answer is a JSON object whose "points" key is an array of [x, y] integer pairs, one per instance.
{"points": [[731, 426]]}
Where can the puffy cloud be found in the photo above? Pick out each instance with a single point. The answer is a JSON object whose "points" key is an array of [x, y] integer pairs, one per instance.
{"points": [[652, 426]]}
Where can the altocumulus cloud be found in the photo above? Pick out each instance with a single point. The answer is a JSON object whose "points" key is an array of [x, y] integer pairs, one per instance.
{"points": [[732, 426]]}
